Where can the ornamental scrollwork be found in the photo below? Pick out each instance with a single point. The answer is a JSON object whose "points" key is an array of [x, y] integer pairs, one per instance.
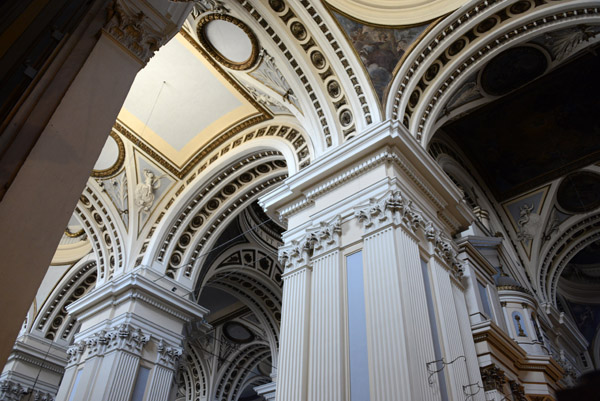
{"points": [[320, 239], [168, 355], [395, 208], [131, 29]]}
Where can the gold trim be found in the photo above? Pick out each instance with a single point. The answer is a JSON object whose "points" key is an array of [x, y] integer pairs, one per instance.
{"points": [[118, 164], [76, 234], [245, 65], [219, 139]]}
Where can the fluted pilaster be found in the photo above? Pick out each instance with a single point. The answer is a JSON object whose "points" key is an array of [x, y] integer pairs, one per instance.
{"points": [[293, 355], [414, 302], [450, 331], [386, 323], [327, 346]]}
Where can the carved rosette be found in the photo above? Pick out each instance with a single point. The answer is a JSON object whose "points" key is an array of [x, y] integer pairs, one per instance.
{"points": [[321, 239], [132, 29], [395, 209], [168, 355]]}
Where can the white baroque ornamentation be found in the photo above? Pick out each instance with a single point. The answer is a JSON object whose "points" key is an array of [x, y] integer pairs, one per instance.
{"points": [[11, 391], [126, 337], [266, 101], [269, 74], [130, 28], [75, 352], [144, 191], [528, 223], [318, 240], [123, 337], [168, 355], [394, 208]]}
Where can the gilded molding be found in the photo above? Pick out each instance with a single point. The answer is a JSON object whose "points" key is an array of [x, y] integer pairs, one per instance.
{"points": [[131, 29], [118, 164], [245, 65]]}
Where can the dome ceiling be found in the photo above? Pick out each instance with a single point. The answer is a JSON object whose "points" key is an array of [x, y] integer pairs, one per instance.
{"points": [[396, 12]]}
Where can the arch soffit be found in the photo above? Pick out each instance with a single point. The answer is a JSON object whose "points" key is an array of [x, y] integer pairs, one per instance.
{"points": [[423, 83], [269, 279], [52, 319], [325, 72], [173, 224], [105, 231], [557, 254]]}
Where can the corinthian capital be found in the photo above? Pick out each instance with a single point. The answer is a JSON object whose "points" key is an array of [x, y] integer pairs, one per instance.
{"points": [[139, 29]]}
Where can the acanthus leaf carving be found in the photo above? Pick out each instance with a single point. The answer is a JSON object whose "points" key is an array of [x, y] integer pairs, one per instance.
{"points": [[320, 239], [395, 208], [131, 29], [168, 355]]}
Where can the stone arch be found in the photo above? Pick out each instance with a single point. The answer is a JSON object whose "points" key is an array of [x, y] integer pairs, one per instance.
{"points": [[202, 213], [53, 321], [558, 253], [463, 43], [259, 294], [104, 231]]}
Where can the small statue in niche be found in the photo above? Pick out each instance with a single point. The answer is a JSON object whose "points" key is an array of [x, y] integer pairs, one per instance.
{"points": [[144, 191]]}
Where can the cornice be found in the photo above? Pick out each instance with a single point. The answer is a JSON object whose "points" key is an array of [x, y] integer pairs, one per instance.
{"points": [[386, 142], [136, 286]]}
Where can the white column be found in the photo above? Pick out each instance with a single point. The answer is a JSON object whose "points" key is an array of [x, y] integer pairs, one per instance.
{"points": [[450, 331], [59, 131], [466, 336], [127, 323], [327, 346], [292, 371], [386, 324], [414, 301]]}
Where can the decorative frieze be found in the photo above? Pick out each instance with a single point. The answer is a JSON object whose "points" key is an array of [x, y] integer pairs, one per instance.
{"points": [[395, 208], [168, 355], [318, 240], [123, 338], [131, 28], [11, 391], [493, 378]]}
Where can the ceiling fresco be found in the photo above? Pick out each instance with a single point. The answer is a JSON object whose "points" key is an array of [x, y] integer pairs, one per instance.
{"points": [[379, 48], [537, 133]]}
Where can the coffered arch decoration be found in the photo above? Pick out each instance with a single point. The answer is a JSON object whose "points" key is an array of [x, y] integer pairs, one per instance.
{"points": [[105, 232], [53, 320], [258, 293], [203, 212], [557, 254], [447, 56], [234, 375]]}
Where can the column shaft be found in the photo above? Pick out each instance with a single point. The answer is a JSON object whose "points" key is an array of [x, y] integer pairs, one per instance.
{"points": [[292, 377], [450, 336], [414, 301], [326, 367], [386, 331]]}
